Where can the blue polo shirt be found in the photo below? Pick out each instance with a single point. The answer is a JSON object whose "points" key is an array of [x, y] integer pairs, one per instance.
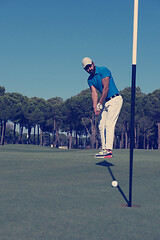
{"points": [[96, 81]]}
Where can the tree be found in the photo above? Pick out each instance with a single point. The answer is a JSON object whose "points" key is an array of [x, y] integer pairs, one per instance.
{"points": [[2, 91], [21, 119], [55, 121], [39, 112], [9, 110], [152, 109], [85, 114], [123, 124], [75, 116], [75, 111]]}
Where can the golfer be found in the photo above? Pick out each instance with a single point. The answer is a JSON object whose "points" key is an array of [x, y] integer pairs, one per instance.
{"points": [[109, 104]]}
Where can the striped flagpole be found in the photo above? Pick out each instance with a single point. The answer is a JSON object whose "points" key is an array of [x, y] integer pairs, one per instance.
{"points": [[133, 89]]}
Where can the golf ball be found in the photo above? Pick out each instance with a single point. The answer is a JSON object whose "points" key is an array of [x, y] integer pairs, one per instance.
{"points": [[114, 184]]}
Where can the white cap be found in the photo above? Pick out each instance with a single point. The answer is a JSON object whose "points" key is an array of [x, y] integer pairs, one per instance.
{"points": [[86, 61]]}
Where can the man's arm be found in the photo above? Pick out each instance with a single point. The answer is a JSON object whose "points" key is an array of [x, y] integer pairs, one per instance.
{"points": [[105, 83], [94, 95]]}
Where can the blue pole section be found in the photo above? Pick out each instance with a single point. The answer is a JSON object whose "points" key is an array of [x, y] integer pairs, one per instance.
{"points": [[132, 132]]}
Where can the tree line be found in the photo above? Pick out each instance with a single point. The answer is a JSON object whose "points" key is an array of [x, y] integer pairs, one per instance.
{"points": [[48, 119]]}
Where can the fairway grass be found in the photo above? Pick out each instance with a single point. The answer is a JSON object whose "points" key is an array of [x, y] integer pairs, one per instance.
{"points": [[55, 194]]}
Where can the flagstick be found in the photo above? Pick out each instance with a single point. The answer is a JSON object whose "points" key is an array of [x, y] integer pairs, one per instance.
{"points": [[133, 89]]}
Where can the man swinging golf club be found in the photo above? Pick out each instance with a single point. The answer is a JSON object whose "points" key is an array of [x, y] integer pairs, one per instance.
{"points": [[109, 104]]}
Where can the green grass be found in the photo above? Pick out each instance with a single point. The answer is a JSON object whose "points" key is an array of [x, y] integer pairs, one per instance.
{"points": [[53, 194]]}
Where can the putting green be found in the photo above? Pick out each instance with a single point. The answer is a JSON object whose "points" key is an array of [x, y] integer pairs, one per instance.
{"points": [[54, 194]]}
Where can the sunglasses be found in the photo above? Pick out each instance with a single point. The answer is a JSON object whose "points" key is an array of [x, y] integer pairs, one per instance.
{"points": [[88, 66]]}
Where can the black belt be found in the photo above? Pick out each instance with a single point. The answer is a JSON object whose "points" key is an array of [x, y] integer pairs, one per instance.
{"points": [[112, 97]]}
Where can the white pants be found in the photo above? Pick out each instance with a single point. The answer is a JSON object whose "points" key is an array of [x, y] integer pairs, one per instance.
{"points": [[109, 117]]}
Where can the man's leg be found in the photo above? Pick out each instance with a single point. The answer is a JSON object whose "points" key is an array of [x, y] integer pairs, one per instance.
{"points": [[107, 123], [113, 106], [102, 127]]}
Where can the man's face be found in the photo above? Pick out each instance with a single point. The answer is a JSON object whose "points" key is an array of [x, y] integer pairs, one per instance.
{"points": [[90, 68]]}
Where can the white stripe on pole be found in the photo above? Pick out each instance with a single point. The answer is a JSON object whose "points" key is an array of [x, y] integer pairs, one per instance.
{"points": [[135, 27]]}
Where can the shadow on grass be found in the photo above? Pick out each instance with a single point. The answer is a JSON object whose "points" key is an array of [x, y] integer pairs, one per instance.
{"points": [[108, 165]]}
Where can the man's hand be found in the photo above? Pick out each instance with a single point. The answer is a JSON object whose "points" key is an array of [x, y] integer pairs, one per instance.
{"points": [[97, 112], [98, 109]]}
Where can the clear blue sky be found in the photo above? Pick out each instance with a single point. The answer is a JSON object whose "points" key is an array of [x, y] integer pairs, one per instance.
{"points": [[42, 43]]}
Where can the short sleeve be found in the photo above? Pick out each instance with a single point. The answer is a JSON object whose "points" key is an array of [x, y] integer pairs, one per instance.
{"points": [[105, 72]]}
